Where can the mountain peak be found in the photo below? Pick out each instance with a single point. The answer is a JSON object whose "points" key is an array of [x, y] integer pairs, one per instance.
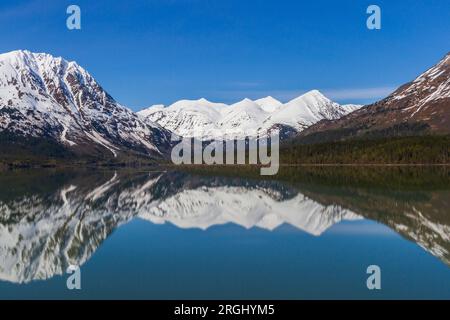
{"points": [[311, 98], [39, 63], [313, 93], [185, 104], [268, 99], [269, 104], [243, 101], [17, 53], [26, 54]]}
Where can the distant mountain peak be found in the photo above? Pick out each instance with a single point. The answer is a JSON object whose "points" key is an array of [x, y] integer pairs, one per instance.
{"points": [[244, 101], [312, 95], [269, 103], [314, 92]]}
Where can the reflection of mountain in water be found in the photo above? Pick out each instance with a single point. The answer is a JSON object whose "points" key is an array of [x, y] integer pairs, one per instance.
{"points": [[43, 231], [420, 216], [48, 221], [245, 206]]}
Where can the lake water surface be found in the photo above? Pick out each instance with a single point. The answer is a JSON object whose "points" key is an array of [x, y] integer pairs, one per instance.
{"points": [[311, 234]]}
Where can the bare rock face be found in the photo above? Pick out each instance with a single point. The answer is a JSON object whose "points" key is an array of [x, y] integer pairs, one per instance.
{"points": [[421, 106], [48, 97]]}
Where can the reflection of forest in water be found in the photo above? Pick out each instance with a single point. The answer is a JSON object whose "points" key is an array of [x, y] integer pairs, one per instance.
{"points": [[52, 218]]}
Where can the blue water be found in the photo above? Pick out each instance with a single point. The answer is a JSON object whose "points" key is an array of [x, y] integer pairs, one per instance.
{"points": [[133, 258], [142, 260]]}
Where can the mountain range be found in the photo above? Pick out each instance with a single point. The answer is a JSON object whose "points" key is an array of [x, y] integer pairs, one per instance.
{"points": [[55, 108], [48, 99], [246, 118]]}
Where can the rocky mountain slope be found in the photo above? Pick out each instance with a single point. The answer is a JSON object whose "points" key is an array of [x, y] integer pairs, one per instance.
{"points": [[418, 107]]}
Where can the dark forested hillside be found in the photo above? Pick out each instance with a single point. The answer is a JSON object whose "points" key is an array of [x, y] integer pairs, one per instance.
{"points": [[398, 150]]}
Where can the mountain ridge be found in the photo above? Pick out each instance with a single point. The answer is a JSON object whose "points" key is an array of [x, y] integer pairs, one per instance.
{"points": [[195, 118], [421, 106], [54, 107]]}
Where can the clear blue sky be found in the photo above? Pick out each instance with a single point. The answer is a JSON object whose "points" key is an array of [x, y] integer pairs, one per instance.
{"points": [[148, 52]]}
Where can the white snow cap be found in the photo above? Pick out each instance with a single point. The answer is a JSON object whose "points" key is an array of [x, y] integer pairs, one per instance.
{"points": [[186, 117]]}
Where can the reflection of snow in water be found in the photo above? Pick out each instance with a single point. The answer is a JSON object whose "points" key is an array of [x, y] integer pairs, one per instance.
{"points": [[206, 207], [44, 233]]}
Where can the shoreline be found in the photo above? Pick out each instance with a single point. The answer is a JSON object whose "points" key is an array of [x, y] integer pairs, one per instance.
{"points": [[7, 167]]}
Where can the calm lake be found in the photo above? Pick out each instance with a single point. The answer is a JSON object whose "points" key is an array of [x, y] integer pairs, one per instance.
{"points": [[310, 234]]}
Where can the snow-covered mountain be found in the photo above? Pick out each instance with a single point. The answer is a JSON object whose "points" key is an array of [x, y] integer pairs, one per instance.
{"points": [[201, 118], [186, 116], [47, 97], [418, 107], [306, 110]]}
